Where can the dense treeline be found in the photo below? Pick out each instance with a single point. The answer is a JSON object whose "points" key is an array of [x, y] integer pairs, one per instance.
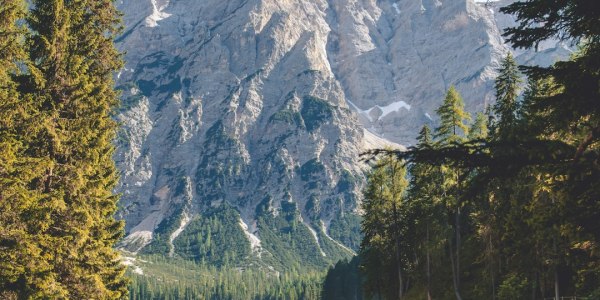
{"points": [[344, 281], [57, 175], [165, 278], [505, 206]]}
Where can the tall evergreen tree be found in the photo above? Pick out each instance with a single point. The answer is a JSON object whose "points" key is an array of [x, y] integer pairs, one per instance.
{"points": [[479, 129], [507, 91], [24, 265], [453, 130], [383, 249], [453, 119], [428, 214], [70, 89]]}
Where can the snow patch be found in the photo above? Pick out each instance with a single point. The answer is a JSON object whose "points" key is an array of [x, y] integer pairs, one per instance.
{"points": [[393, 107], [255, 243], [157, 13], [395, 5], [385, 110]]}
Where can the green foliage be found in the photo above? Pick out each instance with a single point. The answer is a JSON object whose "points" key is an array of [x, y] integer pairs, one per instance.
{"points": [[522, 203], [212, 174], [287, 116], [214, 238], [479, 129], [507, 91], [161, 239], [289, 240], [346, 229], [311, 170], [453, 118], [167, 278], [23, 264], [60, 176], [514, 287], [384, 249], [315, 112], [343, 281]]}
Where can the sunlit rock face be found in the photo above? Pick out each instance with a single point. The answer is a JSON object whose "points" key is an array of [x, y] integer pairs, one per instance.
{"points": [[255, 104]]}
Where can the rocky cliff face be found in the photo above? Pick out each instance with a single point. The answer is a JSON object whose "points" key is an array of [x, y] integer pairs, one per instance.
{"points": [[262, 107]]}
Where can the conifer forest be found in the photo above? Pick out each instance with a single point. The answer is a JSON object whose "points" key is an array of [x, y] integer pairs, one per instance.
{"points": [[501, 204]]}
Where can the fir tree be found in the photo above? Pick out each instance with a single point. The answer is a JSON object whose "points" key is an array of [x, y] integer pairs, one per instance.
{"points": [[564, 114]]}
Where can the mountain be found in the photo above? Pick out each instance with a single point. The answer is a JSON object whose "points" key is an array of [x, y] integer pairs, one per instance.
{"points": [[243, 120]]}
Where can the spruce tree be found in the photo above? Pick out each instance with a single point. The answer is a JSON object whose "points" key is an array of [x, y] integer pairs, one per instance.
{"points": [[73, 60], [507, 91], [24, 266], [479, 129], [424, 139]]}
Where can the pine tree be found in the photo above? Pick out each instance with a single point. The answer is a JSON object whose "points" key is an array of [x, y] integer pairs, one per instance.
{"points": [[507, 90]]}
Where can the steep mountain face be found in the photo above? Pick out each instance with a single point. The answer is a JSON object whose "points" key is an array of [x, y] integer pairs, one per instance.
{"points": [[243, 120]]}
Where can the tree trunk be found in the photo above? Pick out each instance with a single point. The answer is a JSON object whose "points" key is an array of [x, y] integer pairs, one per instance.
{"points": [[400, 283], [556, 284], [428, 264], [457, 225], [454, 281], [556, 288], [491, 245], [398, 260]]}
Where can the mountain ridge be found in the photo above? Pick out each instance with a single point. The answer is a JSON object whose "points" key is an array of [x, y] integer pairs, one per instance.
{"points": [[263, 107]]}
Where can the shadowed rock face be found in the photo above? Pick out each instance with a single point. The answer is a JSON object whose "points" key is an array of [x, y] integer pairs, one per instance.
{"points": [[251, 103]]}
